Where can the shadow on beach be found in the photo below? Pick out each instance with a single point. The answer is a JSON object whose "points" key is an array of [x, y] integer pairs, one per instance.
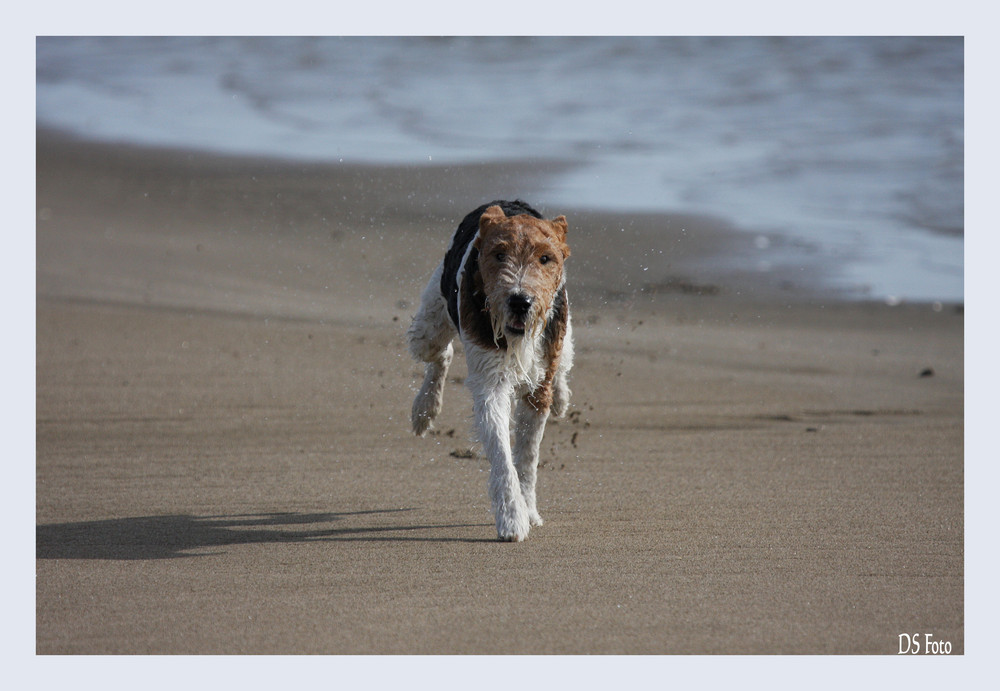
{"points": [[168, 537]]}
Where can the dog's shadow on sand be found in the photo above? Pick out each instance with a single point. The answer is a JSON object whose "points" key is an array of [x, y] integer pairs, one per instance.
{"points": [[168, 537]]}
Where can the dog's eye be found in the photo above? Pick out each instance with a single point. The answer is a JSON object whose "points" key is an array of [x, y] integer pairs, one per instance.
{"points": [[544, 259], [501, 256]]}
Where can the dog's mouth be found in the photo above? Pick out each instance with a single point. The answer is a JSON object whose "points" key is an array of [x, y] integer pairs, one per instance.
{"points": [[515, 326]]}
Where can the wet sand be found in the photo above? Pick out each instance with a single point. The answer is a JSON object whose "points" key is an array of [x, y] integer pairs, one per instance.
{"points": [[224, 466]]}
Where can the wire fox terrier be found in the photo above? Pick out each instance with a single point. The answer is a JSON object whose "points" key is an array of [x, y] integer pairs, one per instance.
{"points": [[502, 289]]}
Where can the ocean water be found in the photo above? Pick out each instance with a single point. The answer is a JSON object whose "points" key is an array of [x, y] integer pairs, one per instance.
{"points": [[848, 149]]}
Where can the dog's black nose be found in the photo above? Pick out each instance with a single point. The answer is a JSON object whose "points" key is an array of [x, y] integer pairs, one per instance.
{"points": [[519, 304]]}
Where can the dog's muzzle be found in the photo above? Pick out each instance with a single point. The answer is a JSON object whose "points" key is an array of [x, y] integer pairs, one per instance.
{"points": [[518, 306]]}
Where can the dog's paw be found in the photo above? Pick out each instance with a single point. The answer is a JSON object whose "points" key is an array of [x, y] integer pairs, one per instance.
{"points": [[425, 409], [512, 537], [534, 519], [421, 423], [513, 524]]}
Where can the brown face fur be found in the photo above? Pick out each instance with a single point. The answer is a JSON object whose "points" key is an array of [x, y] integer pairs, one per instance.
{"points": [[520, 255]]}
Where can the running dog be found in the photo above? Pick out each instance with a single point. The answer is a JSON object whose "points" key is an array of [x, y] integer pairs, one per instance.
{"points": [[502, 289]]}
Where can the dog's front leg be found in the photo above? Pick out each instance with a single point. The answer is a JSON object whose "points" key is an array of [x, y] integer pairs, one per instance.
{"points": [[427, 403], [529, 426], [492, 408]]}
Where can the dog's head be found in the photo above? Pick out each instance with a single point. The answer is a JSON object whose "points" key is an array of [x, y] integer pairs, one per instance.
{"points": [[521, 260]]}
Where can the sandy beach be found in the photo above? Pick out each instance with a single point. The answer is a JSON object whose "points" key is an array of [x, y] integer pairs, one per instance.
{"points": [[224, 463]]}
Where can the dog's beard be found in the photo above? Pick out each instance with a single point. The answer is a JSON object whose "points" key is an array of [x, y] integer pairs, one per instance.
{"points": [[521, 352]]}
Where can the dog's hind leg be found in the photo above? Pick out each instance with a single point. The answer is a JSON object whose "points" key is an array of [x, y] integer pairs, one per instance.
{"points": [[429, 340], [529, 426]]}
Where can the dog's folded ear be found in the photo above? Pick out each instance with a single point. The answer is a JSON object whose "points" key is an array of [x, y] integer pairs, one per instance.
{"points": [[490, 218], [559, 222], [492, 215], [560, 226]]}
